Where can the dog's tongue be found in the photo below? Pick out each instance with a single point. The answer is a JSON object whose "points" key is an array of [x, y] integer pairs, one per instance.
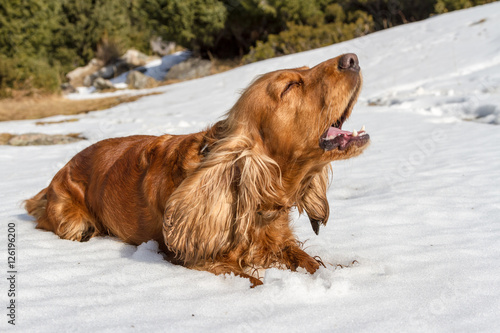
{"points": [[334, 131]]}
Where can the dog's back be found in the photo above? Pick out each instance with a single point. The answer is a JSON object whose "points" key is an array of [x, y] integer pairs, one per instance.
{"points": [[98, 191]]}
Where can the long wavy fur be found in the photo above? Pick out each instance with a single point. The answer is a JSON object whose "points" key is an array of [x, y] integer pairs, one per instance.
{"points": [[215, 206], [314, 201]]}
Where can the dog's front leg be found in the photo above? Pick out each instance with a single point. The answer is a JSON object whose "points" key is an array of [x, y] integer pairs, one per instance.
{"points": [[228, 267], [294, 257]]}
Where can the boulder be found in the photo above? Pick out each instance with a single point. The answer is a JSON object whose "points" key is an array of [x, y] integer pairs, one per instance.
{"points": [[107, 72], [88, 81], [67, 88], [113, 70], [87, 75], [102, 84], [161, 47], [137, 80], [190, 69], [77, 76], [135, 58]]}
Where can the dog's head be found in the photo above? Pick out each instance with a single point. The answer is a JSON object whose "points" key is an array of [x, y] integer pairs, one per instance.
{"points": [[298, 113]]}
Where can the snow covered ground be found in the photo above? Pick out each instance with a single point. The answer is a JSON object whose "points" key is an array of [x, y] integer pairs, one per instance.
{"points": [[415, 220]]}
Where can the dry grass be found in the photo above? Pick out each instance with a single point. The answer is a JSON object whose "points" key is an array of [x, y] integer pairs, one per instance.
{"points": [[45, 106], [5, 137]]}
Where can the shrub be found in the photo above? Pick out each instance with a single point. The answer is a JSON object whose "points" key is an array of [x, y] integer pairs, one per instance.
{"points": [[298, 38], [443, 6], [28, 74], [39, 74]]}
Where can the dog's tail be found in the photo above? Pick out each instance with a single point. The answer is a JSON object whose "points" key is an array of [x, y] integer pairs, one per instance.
{"points": [[37, 205]]}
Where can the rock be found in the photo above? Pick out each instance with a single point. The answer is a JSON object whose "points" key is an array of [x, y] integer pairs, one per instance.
{"points": [[77, 76], [107, 72], [88, 81], [67, 88], [38, 139], [161, 47], [102, 84], [190, 69], [113, 70], [137, 80], [88, 75], [135, 58]]}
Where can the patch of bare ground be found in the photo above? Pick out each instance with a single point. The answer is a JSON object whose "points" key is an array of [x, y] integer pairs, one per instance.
{"points": [[38, 139], [46, 106]]}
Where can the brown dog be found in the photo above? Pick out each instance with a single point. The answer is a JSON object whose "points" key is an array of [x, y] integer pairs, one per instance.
{"points": [[218, 200]]}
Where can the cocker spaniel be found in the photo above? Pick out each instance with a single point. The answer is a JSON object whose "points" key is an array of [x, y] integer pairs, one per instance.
{"points": [[218, 200]]}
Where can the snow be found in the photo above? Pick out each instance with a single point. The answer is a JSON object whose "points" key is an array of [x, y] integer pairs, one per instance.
{"points": [[413, 239]]}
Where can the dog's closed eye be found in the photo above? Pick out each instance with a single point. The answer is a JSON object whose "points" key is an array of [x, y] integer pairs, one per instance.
{"points": [[289, 87]]}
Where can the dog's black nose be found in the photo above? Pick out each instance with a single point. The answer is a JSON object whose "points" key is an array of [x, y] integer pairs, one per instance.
{"points": [[349, 61]]}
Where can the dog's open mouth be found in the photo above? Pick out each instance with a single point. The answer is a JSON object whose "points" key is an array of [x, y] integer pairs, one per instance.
{"points": [[336, 138]]}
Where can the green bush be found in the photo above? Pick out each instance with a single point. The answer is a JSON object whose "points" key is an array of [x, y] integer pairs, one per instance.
{"points": [[298, 38], [39, 74], [28, 74], [191, 23], [7, 76], [443, 6], [7, 71]]}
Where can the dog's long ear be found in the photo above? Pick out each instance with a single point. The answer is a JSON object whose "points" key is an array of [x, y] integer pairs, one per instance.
{"points": [[314, 200], [214, 206]]}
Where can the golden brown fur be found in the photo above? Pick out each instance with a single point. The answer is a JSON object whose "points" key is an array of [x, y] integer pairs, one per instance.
{"points": [[218, 200]]}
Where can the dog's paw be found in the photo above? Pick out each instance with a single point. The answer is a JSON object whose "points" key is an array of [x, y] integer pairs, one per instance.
{"points": [[310, 264]]}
